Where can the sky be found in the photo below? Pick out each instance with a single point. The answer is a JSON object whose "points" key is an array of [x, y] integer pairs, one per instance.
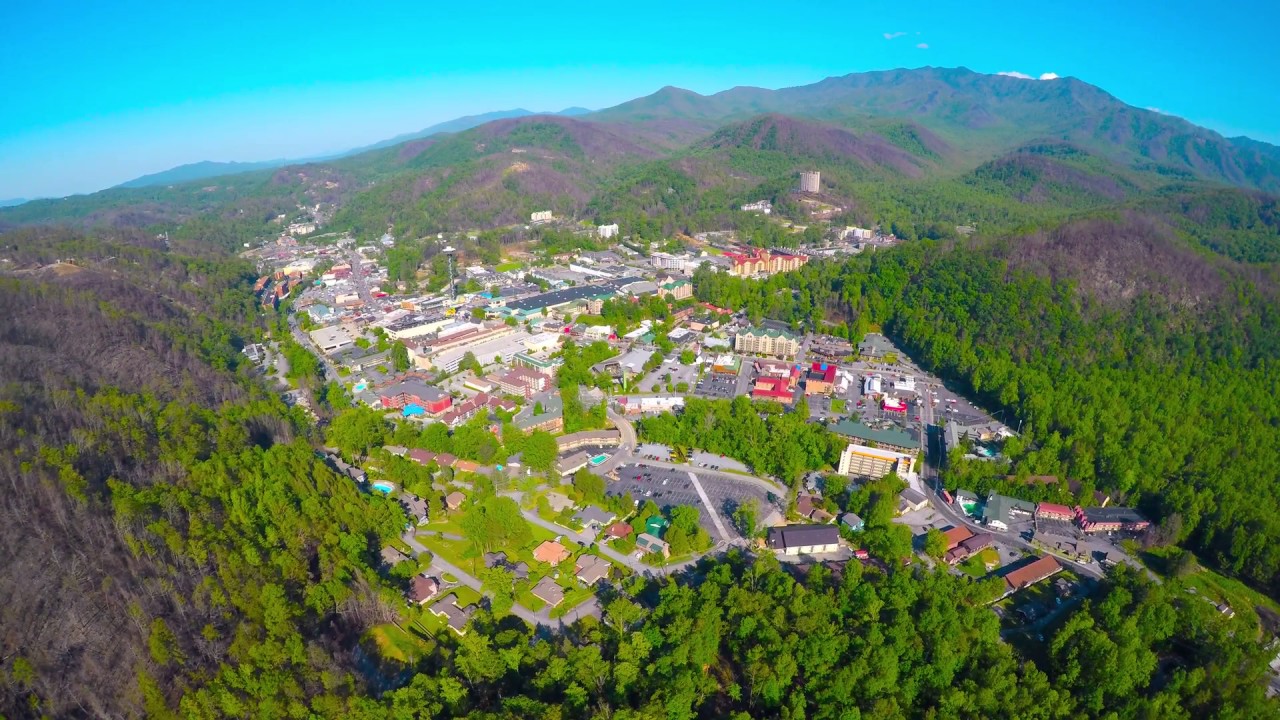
{"points": [[93, 94]]}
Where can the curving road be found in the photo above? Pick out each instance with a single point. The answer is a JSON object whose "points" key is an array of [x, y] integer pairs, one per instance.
{"points": [[625, 448]]}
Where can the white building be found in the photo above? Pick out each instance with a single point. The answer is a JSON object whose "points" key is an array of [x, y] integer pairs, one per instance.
{"points": [[331, 339], [542, 342], [302, 228], [760, 206], [872, 385], [540, 216], [607, 231], [906, 383], [680, 263], [874, 463], [810, 181]]}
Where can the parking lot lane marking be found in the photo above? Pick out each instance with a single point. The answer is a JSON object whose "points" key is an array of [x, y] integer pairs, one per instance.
{"points": [[706, 501]]}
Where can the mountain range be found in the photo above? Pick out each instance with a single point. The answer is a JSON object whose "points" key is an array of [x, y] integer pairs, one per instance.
{"points": [[914, 150]]}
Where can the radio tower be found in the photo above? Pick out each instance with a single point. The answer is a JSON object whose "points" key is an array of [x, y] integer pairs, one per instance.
{"points": [[449, 252]]}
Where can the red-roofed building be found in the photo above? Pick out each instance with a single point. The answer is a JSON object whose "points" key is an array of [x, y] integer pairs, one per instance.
{"points": [[956, 535], [467, 410], [820, 379], [422, 457], [772, 388], [1053, 511]]}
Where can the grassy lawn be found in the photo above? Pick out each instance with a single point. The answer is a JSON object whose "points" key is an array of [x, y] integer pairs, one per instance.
{"points": [[527, 599], [465, 595], [458, 552], [572, 599], [1219, 588], [403, 547], [396, 644], [508, 266], [973, 567], [838, 405]]}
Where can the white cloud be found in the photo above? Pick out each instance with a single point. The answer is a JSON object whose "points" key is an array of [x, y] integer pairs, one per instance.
{"points": [[1157, 110], [893, 35], [1048, 76], [1014, 74], [922, 46]]}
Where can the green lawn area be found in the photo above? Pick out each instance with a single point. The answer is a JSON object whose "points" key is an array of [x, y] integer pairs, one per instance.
{"points": [[973, 567], [527, 599], [465, 595], [400, 545], [397, 644], [838, 405], [1220, 588], [572, 599], [508, 266], [458, 552]]}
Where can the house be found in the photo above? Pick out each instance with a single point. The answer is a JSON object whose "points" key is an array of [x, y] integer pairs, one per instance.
{"points": [[422, 589], [647, 543], [455, 616], [803, 539], [558, 502], [1031, 573], [495, 559], [853, 522], [956, 535], [454, 500], [1052, 511], [1110, 519], [551, 552], [968, 547], [820, 515], [445, 460], [572, 464], [1001, 511], [911, 500], [391, 556], [772, 388], [422, 457], [331, 339], [591, 569], [618, 530], [593, 438], [548, 592], [412, 391], [466, 466], [593, 517], [415, 507]]}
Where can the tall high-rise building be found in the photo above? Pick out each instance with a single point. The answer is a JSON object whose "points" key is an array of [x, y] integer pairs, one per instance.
{"points": [[810, 181]]}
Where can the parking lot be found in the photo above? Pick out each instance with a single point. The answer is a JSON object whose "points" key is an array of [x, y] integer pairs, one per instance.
{"points": [[654, 382], [668, 488], [717, 385]]}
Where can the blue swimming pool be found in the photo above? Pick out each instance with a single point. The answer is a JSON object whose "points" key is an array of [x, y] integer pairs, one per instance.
{"points": [[599, 459], [384, 487]]}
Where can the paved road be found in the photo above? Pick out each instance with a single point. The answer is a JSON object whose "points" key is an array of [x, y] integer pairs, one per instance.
{"points": [[628, 560], [770, 485], [625, 448]]}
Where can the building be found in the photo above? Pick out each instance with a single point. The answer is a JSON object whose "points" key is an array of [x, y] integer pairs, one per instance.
{"points": [[810, 181], [572, 464], [415, 507], [1031, 573], [331, 339], [759, 341], [456, 617], [522, 381], [804, 539], [1001, 511], [1110, 519], [627, 366], [482, 402], [591, 569], [652, 403], [548, 592], [885, 439], [874, 463], [422, 589], [647, 543], [541, 216], [969, 547], [853, 522], [558, 502], [551, 552], [911, 500], [593, 438], [820, 379], [1051, 511], [760, 206], [391, 557], [618, 530], [773, 388], [412, 391], [593, 517], [760, 262], [956, 535], [607, 231], [454, 500], [676, 290]]}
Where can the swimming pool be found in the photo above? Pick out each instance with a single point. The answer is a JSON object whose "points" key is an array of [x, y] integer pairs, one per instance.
{"points": [[599, 459], [384, 487], [360, 386]]}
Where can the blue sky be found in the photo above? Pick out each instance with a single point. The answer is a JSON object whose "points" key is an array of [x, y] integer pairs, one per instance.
{"points": [[93, 94]]}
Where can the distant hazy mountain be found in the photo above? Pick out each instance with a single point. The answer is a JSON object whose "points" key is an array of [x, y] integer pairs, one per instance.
{"points": [[13, 202], [209, 169], [199, 171]]}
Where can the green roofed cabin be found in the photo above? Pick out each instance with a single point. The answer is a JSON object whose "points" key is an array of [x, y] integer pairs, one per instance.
{"points": [[656, 526]]}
